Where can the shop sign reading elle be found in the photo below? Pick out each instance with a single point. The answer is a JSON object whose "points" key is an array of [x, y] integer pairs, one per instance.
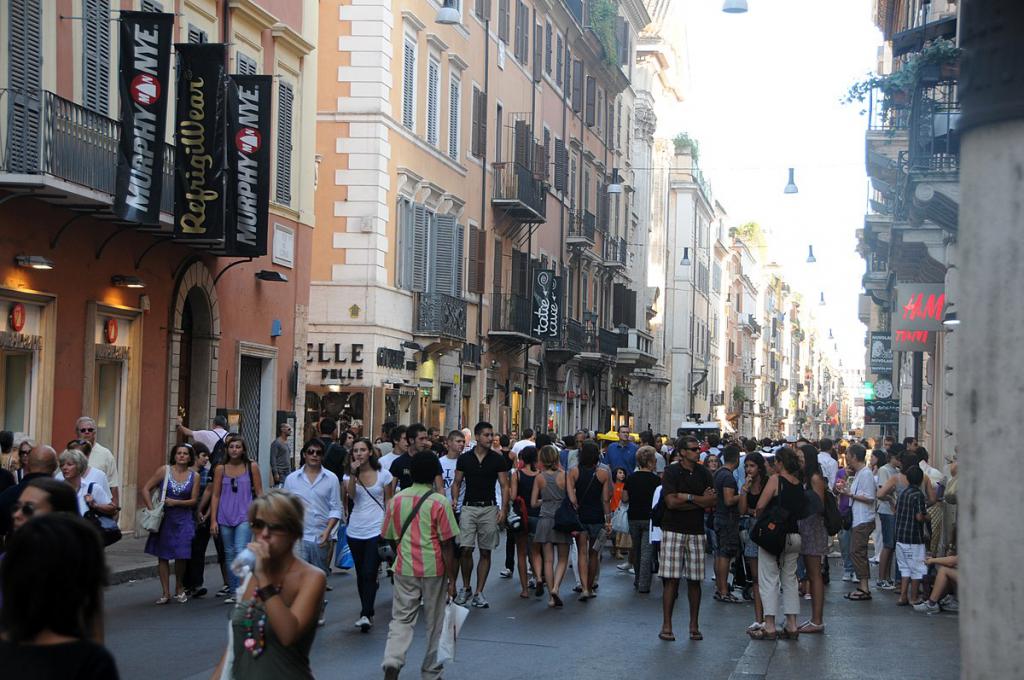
{"points": [[345, 358], [918, 315]]}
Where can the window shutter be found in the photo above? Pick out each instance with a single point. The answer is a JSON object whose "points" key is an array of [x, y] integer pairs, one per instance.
{"points": [[524, 36], [152, 6], [503, 11], [405, 243], [285, 102], [433, 101], [25, 77], [478, 8], [444, 256], [577, 86], [459, 259], [559, 76], [621, 35], [518, 38], [547, 48], [538, 56], [96, 55], [408, 84], [522, 144], [610, 123], [485, 10], [475, 280], [420, 246], [245, 65], [474, 139], [588, 117], [454, 109], [539, 162], [196, 35], [546, 172], [497, 267], [560, 165]]}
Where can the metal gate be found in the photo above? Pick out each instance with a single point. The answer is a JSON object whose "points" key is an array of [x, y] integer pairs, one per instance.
{"points": [[249, 379]]}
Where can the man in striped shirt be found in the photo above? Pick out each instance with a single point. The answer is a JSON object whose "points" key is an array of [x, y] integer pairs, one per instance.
{"points": [[425, 566]]}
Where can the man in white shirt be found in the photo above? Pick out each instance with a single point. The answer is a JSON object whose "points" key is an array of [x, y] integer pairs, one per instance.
{"points": [[829, 465], [100, 457], [320, 492], [862, 493], [529, 439], [455, 446], [209, 438], [398, 447]]}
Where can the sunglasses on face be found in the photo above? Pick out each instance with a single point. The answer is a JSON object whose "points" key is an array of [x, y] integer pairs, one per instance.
{"points": [[27, 508], [688, 448], [87, 429], [314, 452], [259, 525]]}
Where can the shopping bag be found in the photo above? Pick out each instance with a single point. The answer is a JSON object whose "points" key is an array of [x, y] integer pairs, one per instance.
{"points": [[342, 553], [620, 519], [454, 617]]}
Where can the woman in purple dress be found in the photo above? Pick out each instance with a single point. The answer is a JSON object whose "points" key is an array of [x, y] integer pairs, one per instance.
{"points": [[174, 540]]}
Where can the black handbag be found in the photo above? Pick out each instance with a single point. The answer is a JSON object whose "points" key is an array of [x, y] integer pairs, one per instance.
{"points": [[107, 526], [769, 531], [567, 518], [833, 520]]}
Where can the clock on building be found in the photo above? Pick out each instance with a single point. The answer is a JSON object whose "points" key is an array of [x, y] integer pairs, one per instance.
{"points": [[883, 388]]}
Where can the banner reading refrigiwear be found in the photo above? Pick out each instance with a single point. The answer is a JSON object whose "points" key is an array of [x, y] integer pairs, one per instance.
{"points": [[143, 82], [199, 153], [547, 311], [248, 196]]}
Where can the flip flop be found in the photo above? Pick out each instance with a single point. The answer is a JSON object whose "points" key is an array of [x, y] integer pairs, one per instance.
{"points": [[859, 595], [696, 635], [525, 595], [667, 637], [809, 628]]}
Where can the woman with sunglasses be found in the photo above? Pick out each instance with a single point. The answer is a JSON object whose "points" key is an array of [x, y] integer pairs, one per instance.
{"points": [[274, 623], [236, 484], [174, 540], [370, 489]]}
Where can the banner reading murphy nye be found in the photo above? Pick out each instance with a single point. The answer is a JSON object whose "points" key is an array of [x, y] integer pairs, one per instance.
{"points": [[248, 196], [199, 144], [143, 82]]}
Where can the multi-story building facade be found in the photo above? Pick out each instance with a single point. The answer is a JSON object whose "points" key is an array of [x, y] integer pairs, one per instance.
{"points": [[910, 230], [459, 161], [118, 320]]}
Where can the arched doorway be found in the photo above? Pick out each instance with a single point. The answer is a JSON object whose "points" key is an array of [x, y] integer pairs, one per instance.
{"points": [[195, 334]]}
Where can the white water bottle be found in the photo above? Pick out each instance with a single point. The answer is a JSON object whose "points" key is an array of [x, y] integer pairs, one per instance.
{"points": [[243, 563]]}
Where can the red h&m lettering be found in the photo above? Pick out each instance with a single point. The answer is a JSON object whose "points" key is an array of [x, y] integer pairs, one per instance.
{"points": [[918, 308], [911, 336]]}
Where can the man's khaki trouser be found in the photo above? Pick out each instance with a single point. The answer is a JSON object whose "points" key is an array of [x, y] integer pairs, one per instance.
{"points": [[405, 609]]}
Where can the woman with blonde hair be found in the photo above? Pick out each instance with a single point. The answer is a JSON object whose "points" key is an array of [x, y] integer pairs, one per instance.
{"points": [[549, 489], [274, 622]]}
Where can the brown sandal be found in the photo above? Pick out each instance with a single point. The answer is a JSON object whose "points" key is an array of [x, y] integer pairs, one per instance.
{"points": [[667, 637]]}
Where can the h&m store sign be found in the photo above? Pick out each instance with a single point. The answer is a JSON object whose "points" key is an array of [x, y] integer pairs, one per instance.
{"points": [[918, 315]]}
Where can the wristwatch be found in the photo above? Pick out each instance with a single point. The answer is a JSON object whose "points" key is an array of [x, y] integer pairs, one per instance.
{"points": [[267, 592], [689, 498]]}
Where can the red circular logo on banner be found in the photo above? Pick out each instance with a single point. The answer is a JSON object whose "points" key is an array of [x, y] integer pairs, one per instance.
{"points": [[17, 317], [110, 331], [145, 89], [248, 140]]}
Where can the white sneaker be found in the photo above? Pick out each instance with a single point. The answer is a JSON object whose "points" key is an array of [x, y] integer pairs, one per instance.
{"points": [[360, 622], [505, 573], [927, 607], [949, 604], [873, 560], [850, 577], [479, 602], [623, 567], [631, 571], [462, 596]]}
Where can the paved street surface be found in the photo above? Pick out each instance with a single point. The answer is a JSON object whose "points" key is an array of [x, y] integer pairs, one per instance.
{"points": [[613, 636]]}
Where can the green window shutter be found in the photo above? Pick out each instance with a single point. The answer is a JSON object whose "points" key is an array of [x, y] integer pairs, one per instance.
{"points": [[590, 113], [503, 12], [96, 55], [25, 78], [443, 262], [577, 86], [420, 248], [285, 102], [459, 259]]}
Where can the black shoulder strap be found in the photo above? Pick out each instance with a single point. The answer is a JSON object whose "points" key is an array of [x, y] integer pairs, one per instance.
{"points": [[415, 513]]}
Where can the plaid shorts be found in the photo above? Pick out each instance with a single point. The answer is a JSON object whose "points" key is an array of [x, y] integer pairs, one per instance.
{"points": [[682, 556]]}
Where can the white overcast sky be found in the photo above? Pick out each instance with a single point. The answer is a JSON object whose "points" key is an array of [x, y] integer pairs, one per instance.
{"points": [[763, 95]]}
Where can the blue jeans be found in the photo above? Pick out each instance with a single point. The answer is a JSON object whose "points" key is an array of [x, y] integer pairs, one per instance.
{"points": [[844, 548], [235, 539]]}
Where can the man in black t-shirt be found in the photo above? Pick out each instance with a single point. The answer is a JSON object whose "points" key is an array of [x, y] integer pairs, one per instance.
{"points": [[727, 522], [480, 469], [687, 490], [419, 445]]}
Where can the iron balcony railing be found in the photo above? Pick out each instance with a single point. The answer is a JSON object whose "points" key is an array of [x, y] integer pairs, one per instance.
{"points": [[583, 226], [623, 252], [510, 314], [608, 341], [440, 315], [573, 338], [611, 250], [934, 127], [514, 183], [49, 135], [891, 116]]}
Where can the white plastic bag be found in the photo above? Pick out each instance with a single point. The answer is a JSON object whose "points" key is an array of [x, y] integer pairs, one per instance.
{"points": [[454, 616], [620, 519]]}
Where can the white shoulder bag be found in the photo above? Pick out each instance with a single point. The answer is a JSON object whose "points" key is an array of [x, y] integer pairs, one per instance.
{"points": [[152, 519]]}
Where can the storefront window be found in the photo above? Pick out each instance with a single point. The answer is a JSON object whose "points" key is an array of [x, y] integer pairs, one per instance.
{"points": [[17, 394], [108, 404]]}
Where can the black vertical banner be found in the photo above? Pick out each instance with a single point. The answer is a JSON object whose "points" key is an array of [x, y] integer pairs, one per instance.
{"points": [[199, 177], [248, 142], [143, 82], [547, 311]]}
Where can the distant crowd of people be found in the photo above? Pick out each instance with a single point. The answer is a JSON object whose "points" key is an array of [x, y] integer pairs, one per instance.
{"points": [[428, 510]]}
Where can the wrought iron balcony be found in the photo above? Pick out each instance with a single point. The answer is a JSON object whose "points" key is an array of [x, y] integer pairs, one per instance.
{"points": [[510, 318], [440, 315], [608, 342], [611, 257], [934, 126], [571, 341], [519, 193], [623, 252], [582, 228], [51, 137]]}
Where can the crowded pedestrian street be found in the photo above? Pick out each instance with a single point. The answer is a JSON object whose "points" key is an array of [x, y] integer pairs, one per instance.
{"points": [[502, 339]]}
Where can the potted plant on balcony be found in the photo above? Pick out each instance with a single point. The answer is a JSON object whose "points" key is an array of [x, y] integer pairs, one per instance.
{"points": [[684, 144], [943, 54]]}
